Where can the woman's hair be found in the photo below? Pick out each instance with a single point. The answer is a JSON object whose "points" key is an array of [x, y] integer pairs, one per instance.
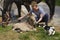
{"points": [[33, 3]]}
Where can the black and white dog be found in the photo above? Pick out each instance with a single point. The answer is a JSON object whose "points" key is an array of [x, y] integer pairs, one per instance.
{"points": [[50, 29]]}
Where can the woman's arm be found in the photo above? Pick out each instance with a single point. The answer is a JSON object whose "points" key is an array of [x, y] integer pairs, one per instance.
{"points": [[41, 16], [24, 16]]}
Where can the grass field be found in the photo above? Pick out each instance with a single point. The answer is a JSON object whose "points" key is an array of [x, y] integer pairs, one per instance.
{"points": [[8, 34]]}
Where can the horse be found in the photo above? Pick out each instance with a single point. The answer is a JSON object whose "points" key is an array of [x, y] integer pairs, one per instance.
{"points": [[8, 3]]}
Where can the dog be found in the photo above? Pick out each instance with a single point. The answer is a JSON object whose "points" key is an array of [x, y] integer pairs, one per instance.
{"points": [[50, 30]]}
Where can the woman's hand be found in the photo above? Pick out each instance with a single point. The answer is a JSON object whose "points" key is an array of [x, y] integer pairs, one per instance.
{"points": [[36, 22]]}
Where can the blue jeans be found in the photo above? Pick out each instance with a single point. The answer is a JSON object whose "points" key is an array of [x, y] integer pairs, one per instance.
{"points": [[45, 19]]}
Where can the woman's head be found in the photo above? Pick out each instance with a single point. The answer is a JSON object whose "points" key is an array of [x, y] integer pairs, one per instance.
{"points": [[34, 5]]}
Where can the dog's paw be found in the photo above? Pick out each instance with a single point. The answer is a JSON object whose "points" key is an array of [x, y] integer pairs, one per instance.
{"points": [[53, 33]]}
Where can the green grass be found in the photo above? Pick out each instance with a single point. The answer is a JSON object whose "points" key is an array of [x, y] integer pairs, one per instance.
{"points": [[4, 29], [58, 2], [8, 34]]}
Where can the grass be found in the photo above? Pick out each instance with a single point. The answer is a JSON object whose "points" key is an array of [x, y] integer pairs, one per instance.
{"points": [[58, 2], [8, 34]]}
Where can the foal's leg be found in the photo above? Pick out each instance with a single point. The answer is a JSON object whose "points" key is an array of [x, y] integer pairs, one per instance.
{"points": [[27, 7]]}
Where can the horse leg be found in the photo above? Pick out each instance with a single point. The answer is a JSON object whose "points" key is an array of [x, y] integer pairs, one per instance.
{"points": [[27, 7], [9, 9], [19, 9], [51, 4], [5, 8]]}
